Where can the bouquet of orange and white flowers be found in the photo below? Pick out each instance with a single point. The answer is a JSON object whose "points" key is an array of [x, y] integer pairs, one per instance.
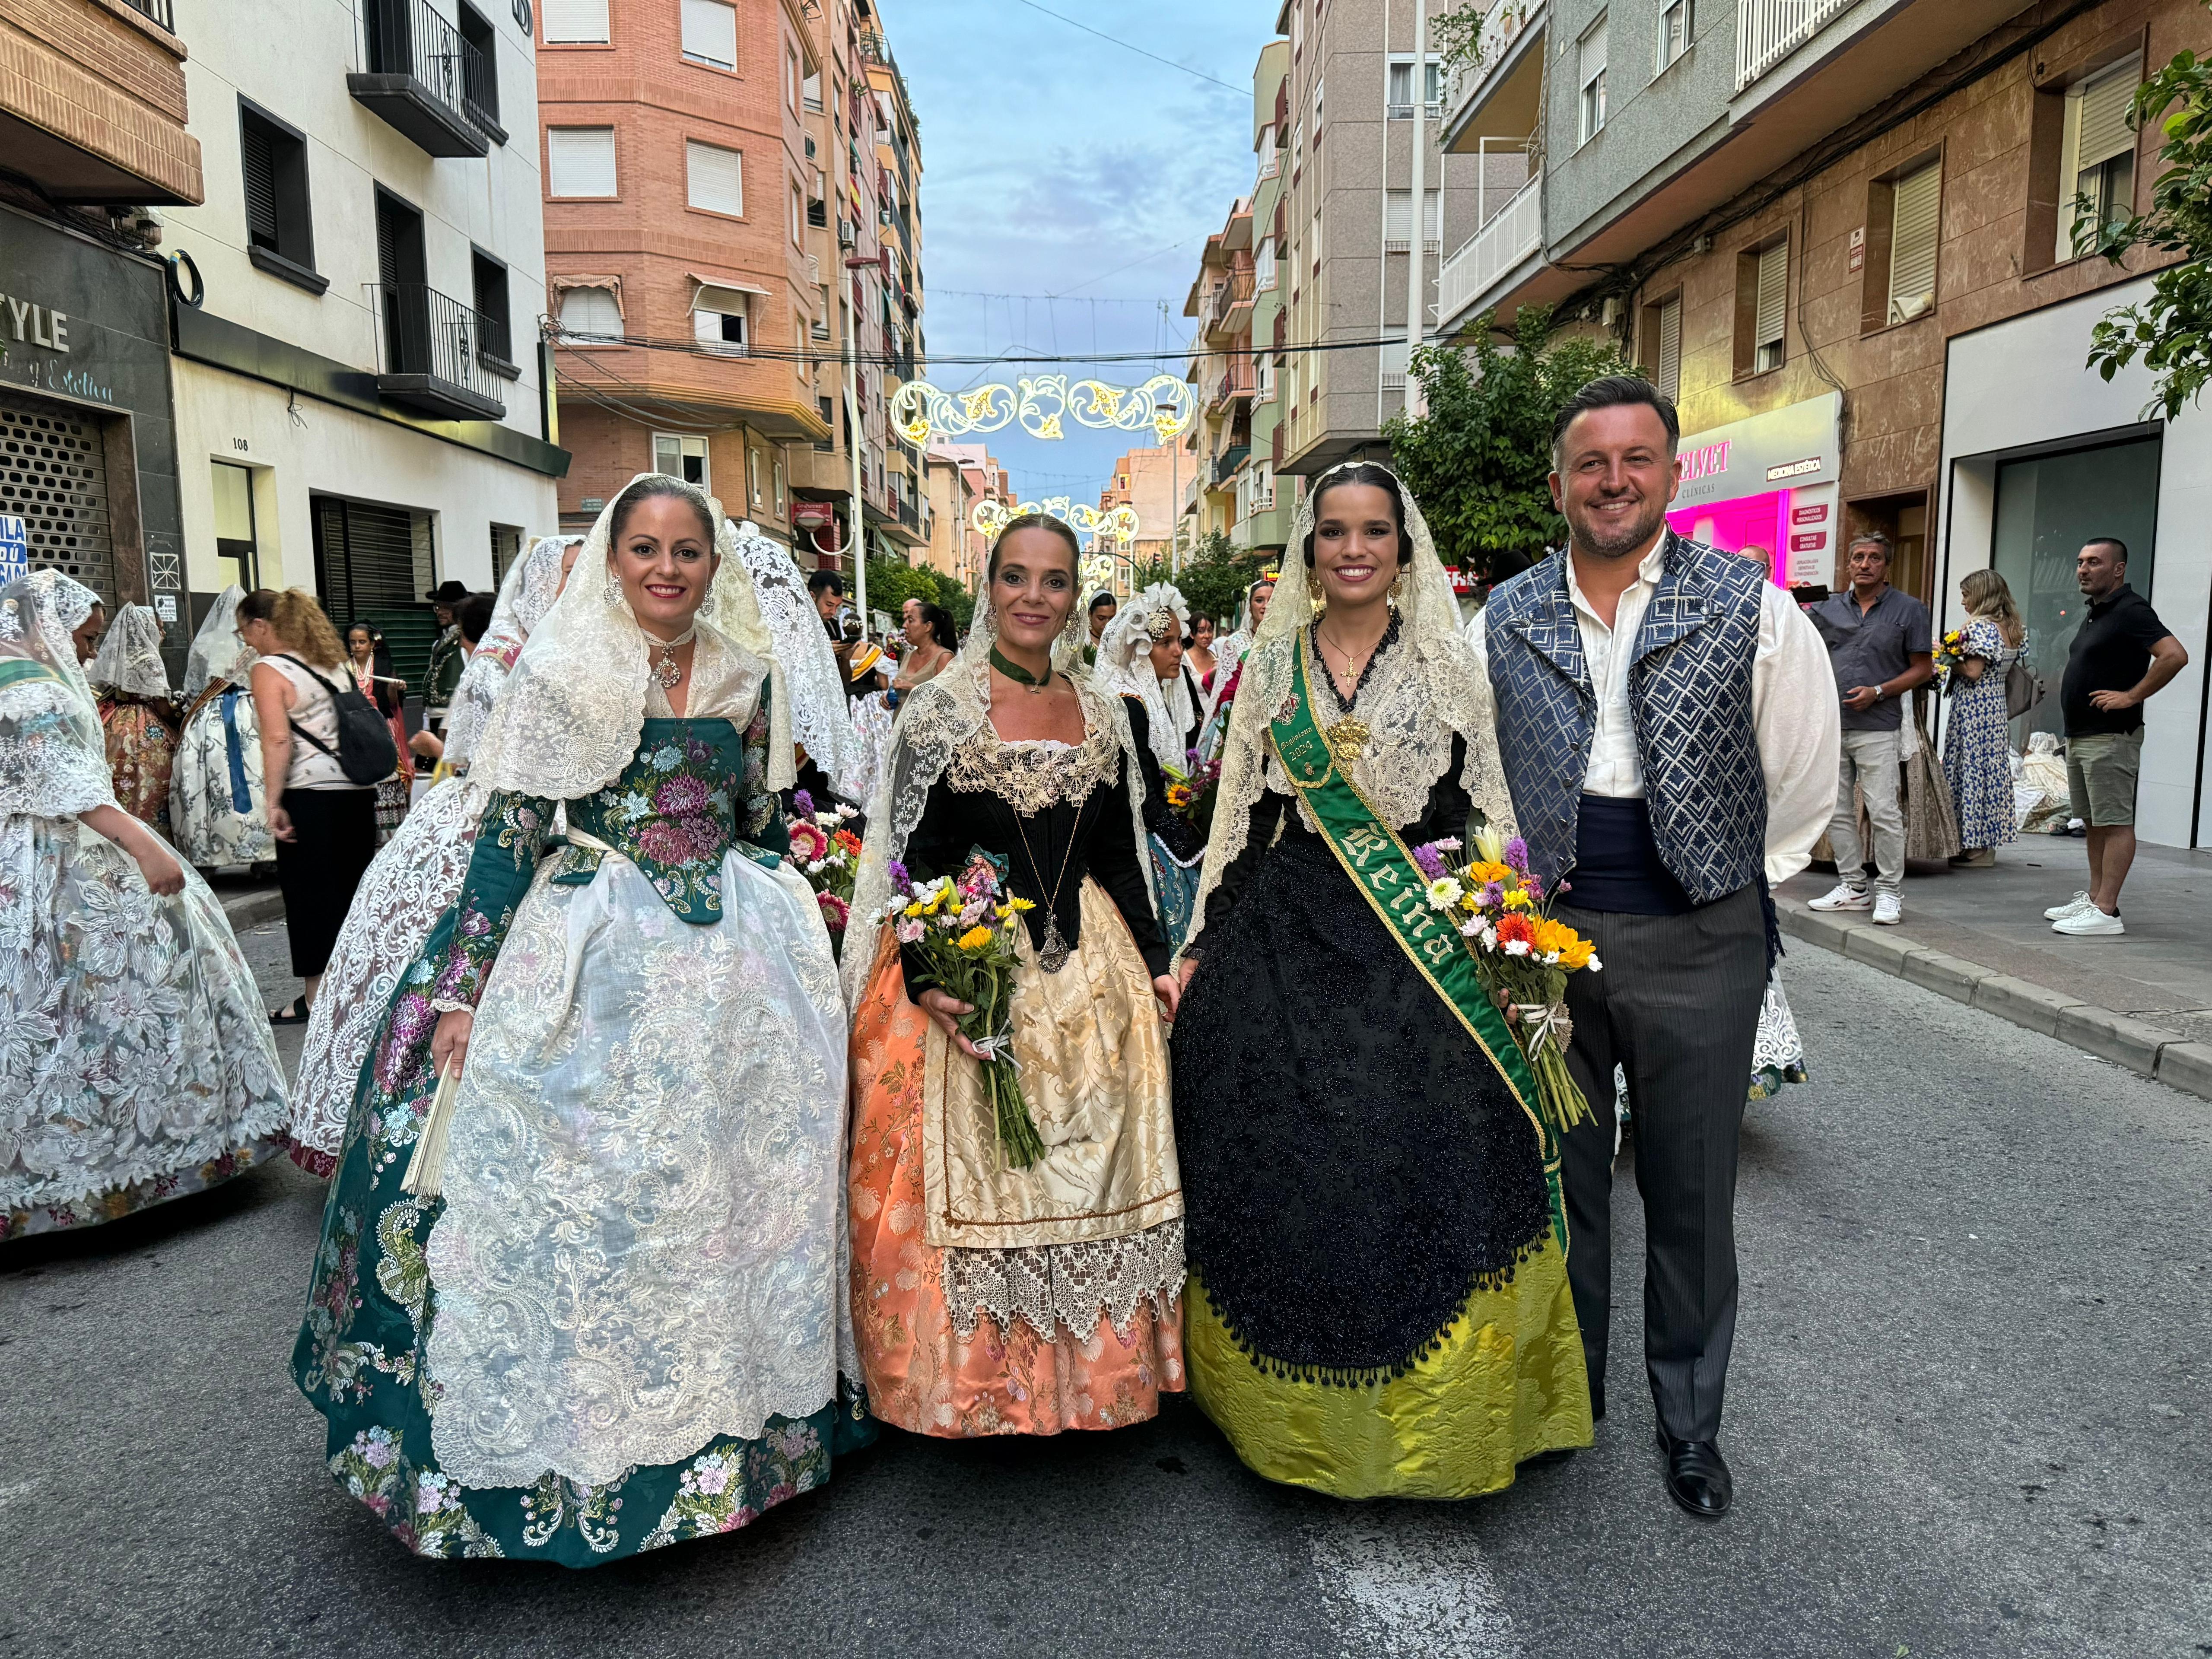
{"points": [[964, 929], [828, 855], [1522, 954]]}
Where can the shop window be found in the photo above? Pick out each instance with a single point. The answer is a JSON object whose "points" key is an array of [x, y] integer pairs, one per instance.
{"points": [[715, 178], [592, 314], [1904, 214], [580, 161], [1674, 32], [718, 321], [2046, 508], [495, 334], [234, 536], [680, 456], [1762, 307], [280, 229], [1590, 78], [1661, 348], [710, 34], [2097, 157], [575, 22]]}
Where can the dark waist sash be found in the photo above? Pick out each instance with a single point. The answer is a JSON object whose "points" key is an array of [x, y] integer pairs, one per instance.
{"points": [[1617, 863]]}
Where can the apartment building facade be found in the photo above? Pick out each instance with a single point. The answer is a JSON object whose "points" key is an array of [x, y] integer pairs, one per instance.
{"points": [[93, 111], [1844, 237], [361, 407], [1148, 481]]}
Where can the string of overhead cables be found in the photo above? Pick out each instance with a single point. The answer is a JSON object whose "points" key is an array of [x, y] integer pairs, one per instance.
{"points": [[886, 360]]}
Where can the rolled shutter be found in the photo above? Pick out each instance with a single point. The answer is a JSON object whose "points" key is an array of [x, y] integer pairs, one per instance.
{"points": [[581, 160], [1915, 201], [715, 178], [567, 21], [1773, 295], [260, 169], [2104, 118], [1670, 347]]}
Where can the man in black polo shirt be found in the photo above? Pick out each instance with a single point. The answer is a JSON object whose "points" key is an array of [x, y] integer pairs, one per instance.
{"points": [[2121, 655]]}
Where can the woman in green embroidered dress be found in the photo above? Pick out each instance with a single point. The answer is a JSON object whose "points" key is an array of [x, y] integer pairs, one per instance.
{"points": [[585, 1301], [1378, 1302]]}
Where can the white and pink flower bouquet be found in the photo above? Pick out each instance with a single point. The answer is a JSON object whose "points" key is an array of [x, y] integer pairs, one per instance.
{"points": [[828, 854]]}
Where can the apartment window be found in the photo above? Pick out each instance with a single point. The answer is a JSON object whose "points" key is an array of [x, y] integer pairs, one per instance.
{"points": [[1915, 203], [506, 548], [798, 218], [575, 22], [1315, 239], [494, 338], [580, 161], [710, 34], [234, 538], [2097, 166], [1263, 266], [1673, 31], [791, 78], [1762, 305], [592, 314], [1398, 219], [752, 476], [810, 94], [480, 69], [715, 178], [1398, 93], [718, 321], [279, 228], [1662, 346], [782, 507], [1589, 76], [681, 457], [1320, 83]]}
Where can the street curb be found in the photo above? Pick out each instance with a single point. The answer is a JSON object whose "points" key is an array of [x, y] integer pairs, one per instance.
{"points": [[252, 910], [2149, 1050]]}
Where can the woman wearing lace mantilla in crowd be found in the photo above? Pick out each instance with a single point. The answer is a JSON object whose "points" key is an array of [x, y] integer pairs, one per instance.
{"points": [[1378, 1303], [218, 807], [821, 718], [1141, 659], [136, 1064], [989, 1298], [607, 1246], [132, 684], [415, 876]]}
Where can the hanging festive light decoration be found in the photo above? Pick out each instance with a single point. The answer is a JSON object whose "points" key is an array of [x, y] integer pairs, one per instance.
{"points": [[924, 413], [1117, 525]]}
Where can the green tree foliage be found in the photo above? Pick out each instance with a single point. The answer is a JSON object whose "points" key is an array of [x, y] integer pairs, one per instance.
{"points": [[1213, 578], [2171, 329], [1480, 459], [890, 586]]}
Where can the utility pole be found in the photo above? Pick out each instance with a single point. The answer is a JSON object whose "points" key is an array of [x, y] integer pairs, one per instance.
{"points": [[1416, 285]]}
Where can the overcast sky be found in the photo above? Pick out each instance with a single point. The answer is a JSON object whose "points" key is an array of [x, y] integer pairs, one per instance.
{"points": [[1057, 164]]}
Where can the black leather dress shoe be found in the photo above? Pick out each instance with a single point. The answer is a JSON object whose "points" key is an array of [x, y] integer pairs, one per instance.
{"points": [[1698, 1477]]}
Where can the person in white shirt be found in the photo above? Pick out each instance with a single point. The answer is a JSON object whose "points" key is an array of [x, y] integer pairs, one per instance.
{"points": [[1670, 729]]}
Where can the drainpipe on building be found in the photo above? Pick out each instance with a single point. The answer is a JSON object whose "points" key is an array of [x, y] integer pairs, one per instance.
{"points": [[858, 539], [1416, 288]]}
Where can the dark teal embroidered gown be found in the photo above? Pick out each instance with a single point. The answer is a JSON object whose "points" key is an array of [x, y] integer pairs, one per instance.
{"points": [[615, 1327]]}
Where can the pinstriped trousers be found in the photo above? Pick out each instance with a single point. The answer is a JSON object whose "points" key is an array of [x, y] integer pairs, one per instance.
{"points": [[1676, 1004]]}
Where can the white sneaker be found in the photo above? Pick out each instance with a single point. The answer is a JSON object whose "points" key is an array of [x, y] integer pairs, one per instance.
{"points": [[2091, 923], [2073, 907], [1889, 909], [1844, 896]]}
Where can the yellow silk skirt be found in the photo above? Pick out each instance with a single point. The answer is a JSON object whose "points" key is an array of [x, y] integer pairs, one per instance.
{"points": [[1504, 1383]]}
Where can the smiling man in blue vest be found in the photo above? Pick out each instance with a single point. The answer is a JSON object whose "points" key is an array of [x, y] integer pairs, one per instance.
{"points": [[1670, 733]]}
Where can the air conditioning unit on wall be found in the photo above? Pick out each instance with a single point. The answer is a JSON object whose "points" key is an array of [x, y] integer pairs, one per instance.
{"points": [[847, 233]]}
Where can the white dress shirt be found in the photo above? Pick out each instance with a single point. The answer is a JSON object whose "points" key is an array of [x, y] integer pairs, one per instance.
{"points": [[1797, 720]]}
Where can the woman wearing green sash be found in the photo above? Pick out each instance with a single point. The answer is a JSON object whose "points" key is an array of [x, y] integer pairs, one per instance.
{"points": [[1378, 1302]]}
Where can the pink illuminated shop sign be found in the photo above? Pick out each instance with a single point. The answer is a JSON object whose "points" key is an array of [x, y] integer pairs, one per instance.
{"points": [[1706, 461]]}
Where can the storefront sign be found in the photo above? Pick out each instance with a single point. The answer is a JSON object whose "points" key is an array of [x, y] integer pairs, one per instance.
{"points": [[1796, 446], [33, 324], [1817, 514], [14, 549]]}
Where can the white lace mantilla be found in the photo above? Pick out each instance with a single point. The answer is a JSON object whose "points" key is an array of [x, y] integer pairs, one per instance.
{"points": [[1069, 1285]]}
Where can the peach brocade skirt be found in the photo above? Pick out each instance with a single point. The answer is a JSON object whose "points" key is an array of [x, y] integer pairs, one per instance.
{"points": [[923, 1376]]}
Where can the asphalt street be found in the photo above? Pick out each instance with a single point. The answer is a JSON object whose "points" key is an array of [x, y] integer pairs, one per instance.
{"points": [[1967, 1416]]}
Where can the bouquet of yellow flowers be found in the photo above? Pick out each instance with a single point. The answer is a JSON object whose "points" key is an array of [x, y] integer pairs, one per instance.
{"points": [[1950, 652], [964, 929], [1522, 954], [1190, 794]]}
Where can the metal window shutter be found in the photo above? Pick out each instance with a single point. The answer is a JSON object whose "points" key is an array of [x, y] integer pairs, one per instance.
{"points": [[593, 312], [1773, 293], [1398, 217], [1432, 215], [1915, 201], [2103, 132], [581, 161], [260, 169], [710, 31], [374, 563], [575, 20], [1670, 348], [716, 178], [1590, 55], [53, 476]]}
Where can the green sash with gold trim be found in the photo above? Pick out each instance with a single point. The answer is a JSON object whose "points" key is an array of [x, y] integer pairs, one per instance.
{"points": [[1381, 867], [18, 670]]}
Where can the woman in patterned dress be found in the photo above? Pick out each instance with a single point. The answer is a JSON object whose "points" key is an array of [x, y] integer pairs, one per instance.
{"points": [[606, 1248], [136, 1064], [987, 1299], [218, 807], [1978, 745], [137, 713]]}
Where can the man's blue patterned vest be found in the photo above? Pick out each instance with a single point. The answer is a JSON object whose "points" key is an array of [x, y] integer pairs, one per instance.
{"points": [[1689, 691]]}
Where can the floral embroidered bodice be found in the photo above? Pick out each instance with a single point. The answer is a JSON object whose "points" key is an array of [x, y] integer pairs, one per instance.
{"points": [[695, 790]]}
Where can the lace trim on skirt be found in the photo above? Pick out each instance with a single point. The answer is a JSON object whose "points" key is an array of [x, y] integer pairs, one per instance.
{"points": [[1070, 1285]]}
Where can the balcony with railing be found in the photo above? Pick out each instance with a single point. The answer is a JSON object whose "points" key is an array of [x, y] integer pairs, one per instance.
{"points": [[421, 75], [1498, 92], [1229, 313], [431, 352], [1768, 31], [1226, 463], [1472, 276], [1236, 381]]}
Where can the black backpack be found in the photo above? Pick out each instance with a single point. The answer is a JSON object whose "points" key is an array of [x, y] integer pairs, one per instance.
{"points": [[366, 752]]}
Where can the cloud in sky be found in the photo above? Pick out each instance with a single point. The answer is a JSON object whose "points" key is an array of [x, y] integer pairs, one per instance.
{"points": [[1057, 164]]}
